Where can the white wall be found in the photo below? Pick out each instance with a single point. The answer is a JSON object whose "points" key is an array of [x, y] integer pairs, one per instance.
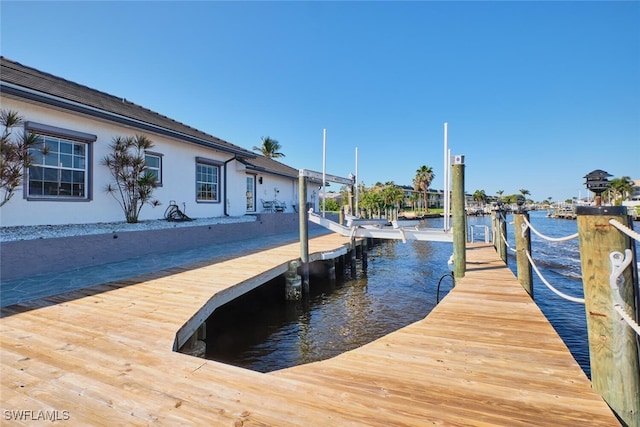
{"points": [[284, 190], [178, 181]]}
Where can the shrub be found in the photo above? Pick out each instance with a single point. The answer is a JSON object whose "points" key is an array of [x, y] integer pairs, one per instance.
{"points": [[133, 184], [14, 153]]}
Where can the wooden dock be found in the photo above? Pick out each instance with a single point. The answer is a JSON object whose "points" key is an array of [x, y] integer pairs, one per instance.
{"points": [[485, 356]]}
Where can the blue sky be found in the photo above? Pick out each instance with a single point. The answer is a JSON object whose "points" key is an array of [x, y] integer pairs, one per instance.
{"points": [[536, 94]]}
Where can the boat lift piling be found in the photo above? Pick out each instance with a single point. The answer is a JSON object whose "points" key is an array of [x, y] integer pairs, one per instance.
{"points": [[459, 217], [303, 215]]}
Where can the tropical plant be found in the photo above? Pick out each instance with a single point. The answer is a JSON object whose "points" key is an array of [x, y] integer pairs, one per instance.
{"points": [[371, 199], [15, 153], [269, 148], [479, 197], [392, 195], [414, 198], [330, 205], [621, 187], [133, 184], [422, 181]]}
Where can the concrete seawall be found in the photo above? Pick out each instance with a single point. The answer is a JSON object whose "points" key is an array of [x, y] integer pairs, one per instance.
{"points": [[26, 258]]}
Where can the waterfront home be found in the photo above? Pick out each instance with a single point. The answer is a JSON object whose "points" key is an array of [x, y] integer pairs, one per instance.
{"points": [[204, 175]]}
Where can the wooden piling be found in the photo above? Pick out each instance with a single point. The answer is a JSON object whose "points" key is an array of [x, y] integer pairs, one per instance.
{"points": [[352, 259], [365, 253], [330, 270], [523, 245], [293, 283], [494, 229], [195, 345], [459, 220], [304, 233], [502, 235], [613, 351]]}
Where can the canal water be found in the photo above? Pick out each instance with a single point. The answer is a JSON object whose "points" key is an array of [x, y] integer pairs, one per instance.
{"points": [[262, 332]]}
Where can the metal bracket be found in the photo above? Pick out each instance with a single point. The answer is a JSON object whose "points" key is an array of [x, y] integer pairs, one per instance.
{"points": [[524, 227], [619, 263]]}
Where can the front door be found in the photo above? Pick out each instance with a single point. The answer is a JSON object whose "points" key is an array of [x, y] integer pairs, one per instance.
{"points": [[251, 193]]}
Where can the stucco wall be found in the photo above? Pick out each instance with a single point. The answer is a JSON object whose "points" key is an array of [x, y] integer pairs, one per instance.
{"points": [[178, 177], [33, 257]]}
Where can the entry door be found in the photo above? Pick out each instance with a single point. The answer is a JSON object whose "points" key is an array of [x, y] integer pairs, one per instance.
{"points": [[251, 193]]}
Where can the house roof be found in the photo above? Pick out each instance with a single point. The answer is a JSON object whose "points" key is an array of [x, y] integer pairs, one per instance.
{"points": [[268, 165], [265, 164], [28, 83]]}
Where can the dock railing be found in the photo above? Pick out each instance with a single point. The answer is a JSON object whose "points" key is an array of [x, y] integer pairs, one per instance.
{"points": [[610, 282]]}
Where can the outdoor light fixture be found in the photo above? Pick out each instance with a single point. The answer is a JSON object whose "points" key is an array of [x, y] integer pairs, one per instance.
{"points": [[597, 182], [260, 180]]}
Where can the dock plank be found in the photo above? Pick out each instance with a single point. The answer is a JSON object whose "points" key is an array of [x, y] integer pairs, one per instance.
{"points": [[485, 356]]}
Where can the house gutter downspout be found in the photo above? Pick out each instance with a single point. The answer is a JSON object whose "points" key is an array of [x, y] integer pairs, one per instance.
{"points": [[225, 184]]}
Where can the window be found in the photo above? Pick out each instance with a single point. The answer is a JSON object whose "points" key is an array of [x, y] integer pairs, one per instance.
{"points": [[207, 180], [59, 168], [153, 163], [251, 190]]}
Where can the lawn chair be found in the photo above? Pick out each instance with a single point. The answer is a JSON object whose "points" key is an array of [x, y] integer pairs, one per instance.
{"points": [[267, 205], [279, 206]]}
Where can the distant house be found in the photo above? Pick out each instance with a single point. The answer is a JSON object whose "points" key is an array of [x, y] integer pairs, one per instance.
{"points": [[206, 175], [435, 198]]}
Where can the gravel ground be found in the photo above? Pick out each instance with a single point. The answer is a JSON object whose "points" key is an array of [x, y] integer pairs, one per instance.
{"points": [[9, 234]]}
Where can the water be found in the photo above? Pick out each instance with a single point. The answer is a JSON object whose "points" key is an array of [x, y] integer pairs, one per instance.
{"points": [[559, 264], [262, 332]]}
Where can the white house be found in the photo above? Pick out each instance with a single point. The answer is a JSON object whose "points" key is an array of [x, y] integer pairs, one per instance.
{"points": [[202, 174]]}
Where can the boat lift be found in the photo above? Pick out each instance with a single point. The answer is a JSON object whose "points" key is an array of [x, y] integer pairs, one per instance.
{"points": [[363, 230], [372, 231], [360, 228]]}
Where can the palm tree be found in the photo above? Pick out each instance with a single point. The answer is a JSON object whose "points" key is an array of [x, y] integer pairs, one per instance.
{"points": [[621, 187], [524, 193], [392, 195], [269, 148], [422, 181], [479, 197], [413, 198], [371, 199]]}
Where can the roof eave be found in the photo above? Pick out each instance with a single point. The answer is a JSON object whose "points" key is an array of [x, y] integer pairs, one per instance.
{"points": [[47, 99]]}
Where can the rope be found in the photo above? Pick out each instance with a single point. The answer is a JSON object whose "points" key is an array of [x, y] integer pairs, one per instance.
{"points": [[554, 290], [627, 318], [551, 239], [626, 230], [619, 263], [507, 243]]}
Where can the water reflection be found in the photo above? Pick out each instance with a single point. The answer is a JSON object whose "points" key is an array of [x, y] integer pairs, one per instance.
{"points": [[262, 332]]}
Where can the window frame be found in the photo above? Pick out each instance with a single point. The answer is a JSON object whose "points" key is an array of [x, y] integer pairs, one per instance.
{"points": [[160, 157], [254, 190], [217, 166], [62, 135]]}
